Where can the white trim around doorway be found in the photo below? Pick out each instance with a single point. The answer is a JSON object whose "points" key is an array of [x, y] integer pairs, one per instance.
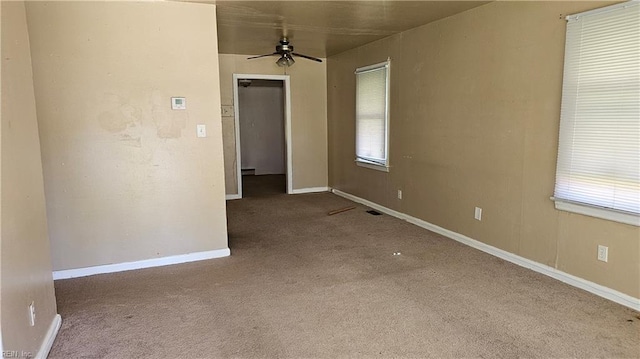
{"points": [[287, 127]]}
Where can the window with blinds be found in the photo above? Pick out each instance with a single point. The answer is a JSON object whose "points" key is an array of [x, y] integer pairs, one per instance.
{"points": [[598, 169], [372, 116]]}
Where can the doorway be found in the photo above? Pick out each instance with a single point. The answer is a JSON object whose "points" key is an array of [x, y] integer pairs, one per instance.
{"points": [[263, 134]]}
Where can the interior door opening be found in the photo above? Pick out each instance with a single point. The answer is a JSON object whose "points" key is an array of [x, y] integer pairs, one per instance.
{"points": [[263, 157]]}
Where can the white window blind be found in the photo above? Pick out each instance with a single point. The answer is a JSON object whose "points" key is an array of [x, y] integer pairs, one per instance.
{"points": [[599, 145], [372, 114]]}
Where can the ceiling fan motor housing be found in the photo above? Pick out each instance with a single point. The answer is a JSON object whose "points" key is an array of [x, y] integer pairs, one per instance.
{"points": [[284, 47]]}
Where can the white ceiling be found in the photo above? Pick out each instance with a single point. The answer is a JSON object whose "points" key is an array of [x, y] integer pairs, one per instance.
{"points": [[322, 28]]}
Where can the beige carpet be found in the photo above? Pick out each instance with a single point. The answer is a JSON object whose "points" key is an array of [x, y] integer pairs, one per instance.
{"points": [[301, 284], [263, 185]]}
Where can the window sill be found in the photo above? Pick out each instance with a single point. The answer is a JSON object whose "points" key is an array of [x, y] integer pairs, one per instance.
{"points": [[598, 212], [372, 165]]}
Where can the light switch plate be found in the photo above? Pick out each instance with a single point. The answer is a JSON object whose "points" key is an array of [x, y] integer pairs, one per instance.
{"points": [[178, 103], [201, 130]]}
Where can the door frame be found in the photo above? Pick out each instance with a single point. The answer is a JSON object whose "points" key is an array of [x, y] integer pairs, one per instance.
{"points": [[286, 86]]}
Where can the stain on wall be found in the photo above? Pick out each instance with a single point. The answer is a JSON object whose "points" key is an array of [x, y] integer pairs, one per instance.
{"points": [[169, 123], [120, 118], [118, 114], [126, 178]]}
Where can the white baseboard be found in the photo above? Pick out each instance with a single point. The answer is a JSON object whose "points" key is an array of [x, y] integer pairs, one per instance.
{"points": [[147, 263], [293, 191], [597, 289], [47, 343], [310, 190]]}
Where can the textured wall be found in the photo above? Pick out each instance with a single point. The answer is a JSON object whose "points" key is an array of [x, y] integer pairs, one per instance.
{"points": [[25, 260], [308, 116], [126, 178], [475, 107]]}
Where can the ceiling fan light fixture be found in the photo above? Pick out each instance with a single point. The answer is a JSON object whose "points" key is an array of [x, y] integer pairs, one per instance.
{"points": [[290, 60], [282, 62], [285, 60]]}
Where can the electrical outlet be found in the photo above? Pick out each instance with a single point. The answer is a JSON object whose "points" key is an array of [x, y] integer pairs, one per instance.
{"points": [[32, 314], [399, 194], [478, 214], [603, 253]]}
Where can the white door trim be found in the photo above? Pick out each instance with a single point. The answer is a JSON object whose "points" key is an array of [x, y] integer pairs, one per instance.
{"points": [[287, 127]]}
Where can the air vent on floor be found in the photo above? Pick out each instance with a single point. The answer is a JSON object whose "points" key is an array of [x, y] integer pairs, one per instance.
{"points": [[374, 212]]}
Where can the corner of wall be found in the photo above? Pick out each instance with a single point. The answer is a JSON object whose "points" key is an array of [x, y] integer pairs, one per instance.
{"points": [[25, 264]]}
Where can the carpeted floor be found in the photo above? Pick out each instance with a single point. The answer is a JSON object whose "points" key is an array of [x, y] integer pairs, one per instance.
{"points": [[301, 284], [263, 185]]}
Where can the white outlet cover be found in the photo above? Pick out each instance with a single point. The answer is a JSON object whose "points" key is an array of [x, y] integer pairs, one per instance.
{"points": [[478, 214], [32, 314], [603, 253]]}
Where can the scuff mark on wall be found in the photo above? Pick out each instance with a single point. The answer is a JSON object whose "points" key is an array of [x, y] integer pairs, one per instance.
{"points": [[131, 141]]}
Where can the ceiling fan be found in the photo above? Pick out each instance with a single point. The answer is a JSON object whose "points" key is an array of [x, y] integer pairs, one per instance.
{"points": [[285, 51]]}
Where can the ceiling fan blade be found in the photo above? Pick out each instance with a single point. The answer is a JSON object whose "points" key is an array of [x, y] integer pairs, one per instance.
{"points": [[306, 57], [265, 55]]}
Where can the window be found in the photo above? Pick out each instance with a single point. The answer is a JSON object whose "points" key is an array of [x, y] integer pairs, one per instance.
{"points": [[598, 171], [372, 116]]}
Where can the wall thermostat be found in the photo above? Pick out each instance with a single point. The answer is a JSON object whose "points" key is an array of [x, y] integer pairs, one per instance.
{"points": [[178, 103]]}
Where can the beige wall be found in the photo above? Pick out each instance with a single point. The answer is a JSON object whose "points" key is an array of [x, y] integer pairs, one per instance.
{"points": [[475, 104], [126, 178], [25, 262], [308, 116]]}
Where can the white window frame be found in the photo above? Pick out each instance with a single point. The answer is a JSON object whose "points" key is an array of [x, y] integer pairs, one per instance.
{"points": [[586, 208], [362, 161]]}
